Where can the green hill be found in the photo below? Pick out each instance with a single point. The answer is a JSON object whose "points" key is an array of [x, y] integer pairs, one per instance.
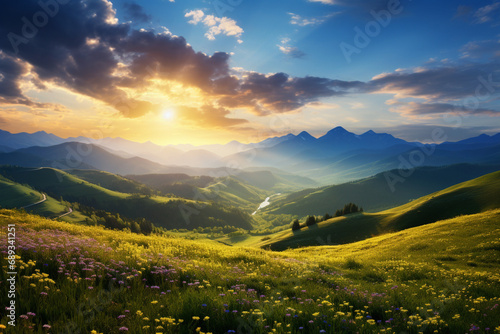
{"points": [[111, 181], [376, 193], [469, 197], [15, 195], [168, 212]]}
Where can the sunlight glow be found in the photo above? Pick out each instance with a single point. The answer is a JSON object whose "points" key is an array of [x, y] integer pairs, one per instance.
{"points": [[168, 114]]}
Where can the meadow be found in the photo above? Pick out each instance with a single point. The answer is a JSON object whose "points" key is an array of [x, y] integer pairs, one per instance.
{"points": [[438, 278]]}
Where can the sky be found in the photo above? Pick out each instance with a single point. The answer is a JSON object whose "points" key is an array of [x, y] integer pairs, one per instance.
{"points": [[205, 72]]}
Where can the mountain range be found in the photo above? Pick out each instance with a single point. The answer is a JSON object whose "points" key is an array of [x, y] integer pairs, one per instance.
{"points": [[338, 156]]}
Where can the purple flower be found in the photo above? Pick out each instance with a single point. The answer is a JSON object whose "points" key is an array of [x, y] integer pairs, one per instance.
{"points": [[125, 329]]}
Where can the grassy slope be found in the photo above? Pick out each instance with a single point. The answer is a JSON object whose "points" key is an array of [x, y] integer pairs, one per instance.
{"points": [[110, 181], [469, 197], [417, 280], [15, 195], [163, 211], [374, 193], [230, 190]]}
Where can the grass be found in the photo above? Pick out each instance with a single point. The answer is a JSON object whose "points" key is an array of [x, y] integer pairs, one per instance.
{"points": [[78, 279], [14, 195], [469, 197], [374, 193]]}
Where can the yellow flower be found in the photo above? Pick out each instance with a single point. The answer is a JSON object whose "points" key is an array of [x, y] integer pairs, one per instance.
{"points": [[154, 302], [206, 318], [2, 326], [196, 318]]}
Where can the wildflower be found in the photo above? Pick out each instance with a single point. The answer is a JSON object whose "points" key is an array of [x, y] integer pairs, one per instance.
{"points": [[46, 326], [124, 329], [206, 318], [196, 318]]}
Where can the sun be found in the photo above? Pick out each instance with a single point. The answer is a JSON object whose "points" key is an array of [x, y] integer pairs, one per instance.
{"points": [[168, 114]]}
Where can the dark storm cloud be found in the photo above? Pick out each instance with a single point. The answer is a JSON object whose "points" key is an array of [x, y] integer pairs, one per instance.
{"points": [[135, 13], [10, 72], [282, 93]]}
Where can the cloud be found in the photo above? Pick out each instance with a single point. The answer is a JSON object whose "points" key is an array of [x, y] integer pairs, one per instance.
{"points": [[279, 93], [210, 116], [436, 110], [87, 51], [451, 82], [296, 19], [357, 6], [479, 49], [216, 25], [135, 13], [291, 51], [487, 13]]}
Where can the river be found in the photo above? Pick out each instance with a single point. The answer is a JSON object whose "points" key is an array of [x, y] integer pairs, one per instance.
{"points": [[265, 203]]}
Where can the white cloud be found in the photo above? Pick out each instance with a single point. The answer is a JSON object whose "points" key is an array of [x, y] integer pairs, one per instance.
{"points": [[306, 21], [291, 51], [216, 25]]}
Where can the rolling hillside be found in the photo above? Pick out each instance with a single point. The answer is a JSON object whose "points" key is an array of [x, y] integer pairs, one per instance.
{"points": [[15, 195], [167, 212], [376, 193], [469, 197], [430, 279], [111, 181]]}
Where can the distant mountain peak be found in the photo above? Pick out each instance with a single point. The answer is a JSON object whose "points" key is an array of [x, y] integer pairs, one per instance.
{"points": [[369, 132], [304, 135], [338, 129]]}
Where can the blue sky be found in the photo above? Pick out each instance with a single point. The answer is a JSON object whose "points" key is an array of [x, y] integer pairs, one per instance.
{"points": [[286, 60]]}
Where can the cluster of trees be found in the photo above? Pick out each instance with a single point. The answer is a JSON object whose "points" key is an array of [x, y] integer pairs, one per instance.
{"points": [[113, 220], [348, 208], [311, 220]]}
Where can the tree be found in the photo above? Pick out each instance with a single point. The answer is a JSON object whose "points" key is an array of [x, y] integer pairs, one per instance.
{"points": [[296, 225], [326, 217], [146, 227], [311, 220], [135, 228]]}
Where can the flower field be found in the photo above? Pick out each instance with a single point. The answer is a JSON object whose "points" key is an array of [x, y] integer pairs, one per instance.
{"points": [[438, 278]]}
